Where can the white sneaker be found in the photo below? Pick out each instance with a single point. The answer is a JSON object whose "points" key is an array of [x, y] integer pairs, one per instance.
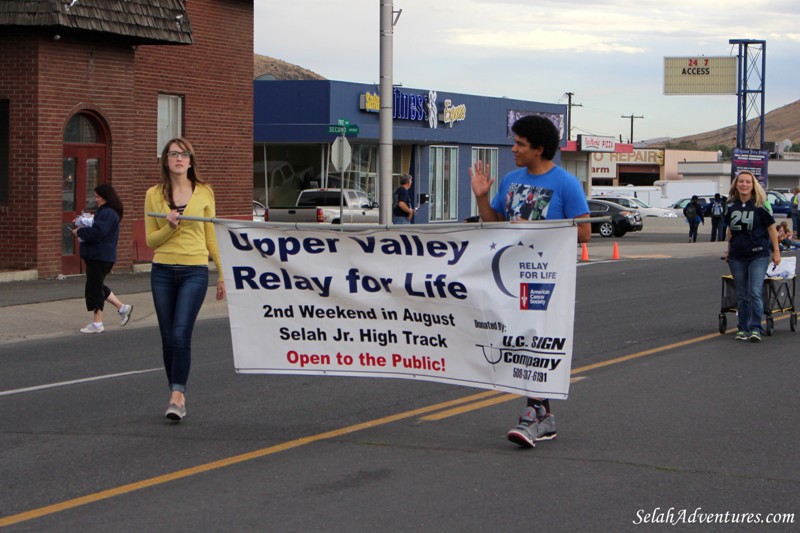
{"points": [[125, 314], [91, 328]]}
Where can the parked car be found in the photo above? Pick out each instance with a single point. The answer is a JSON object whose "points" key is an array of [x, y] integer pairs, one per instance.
{"points": [[635, 203], [780, 204], [703, 200], [330, 206], [622, 220]]}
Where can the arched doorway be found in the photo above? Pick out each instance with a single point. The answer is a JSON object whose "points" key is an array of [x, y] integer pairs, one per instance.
{"points": [[85, 163]]}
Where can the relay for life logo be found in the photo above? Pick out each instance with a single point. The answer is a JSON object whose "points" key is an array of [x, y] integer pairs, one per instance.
{"points": [[522, 272]]}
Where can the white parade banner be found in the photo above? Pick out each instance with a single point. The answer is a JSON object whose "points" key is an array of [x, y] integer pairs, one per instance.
{"points": [[487, 307]]}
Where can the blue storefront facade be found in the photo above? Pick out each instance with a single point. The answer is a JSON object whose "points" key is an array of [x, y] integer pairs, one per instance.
{"points": [[437, 136]]}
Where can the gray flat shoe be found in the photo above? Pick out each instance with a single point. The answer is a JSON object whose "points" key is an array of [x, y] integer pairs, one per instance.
{"points": [[175, 412]]}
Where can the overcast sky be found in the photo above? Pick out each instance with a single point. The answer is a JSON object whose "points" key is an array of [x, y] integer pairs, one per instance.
{"points": [[609, 53]]}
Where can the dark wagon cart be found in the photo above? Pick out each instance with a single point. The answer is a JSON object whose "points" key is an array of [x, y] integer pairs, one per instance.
{"points": [[778, 297]]}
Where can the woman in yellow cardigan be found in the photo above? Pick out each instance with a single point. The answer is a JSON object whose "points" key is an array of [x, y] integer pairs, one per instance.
{"points": [[179, 276]]}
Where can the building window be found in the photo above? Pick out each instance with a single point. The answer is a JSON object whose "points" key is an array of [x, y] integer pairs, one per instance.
{"points": [[281, 171], [4, 148], [488, 156], [443, 175], [170, 119]]}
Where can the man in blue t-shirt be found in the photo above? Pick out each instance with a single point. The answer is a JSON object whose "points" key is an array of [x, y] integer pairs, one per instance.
{"points": [[538, 190]]}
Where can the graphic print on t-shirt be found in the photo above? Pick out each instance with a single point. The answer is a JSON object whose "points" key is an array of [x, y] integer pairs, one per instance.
{"points": [[525, 202]]}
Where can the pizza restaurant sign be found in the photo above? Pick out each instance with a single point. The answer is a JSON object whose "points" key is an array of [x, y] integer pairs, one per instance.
{"points": [[595, 143], [416, 107]]}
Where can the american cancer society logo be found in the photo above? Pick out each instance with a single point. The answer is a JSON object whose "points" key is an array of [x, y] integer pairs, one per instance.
{"points": [[535, 296], [520, 271]]}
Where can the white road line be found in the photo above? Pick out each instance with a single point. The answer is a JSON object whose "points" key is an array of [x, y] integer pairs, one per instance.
{"points": [[75, 382]]}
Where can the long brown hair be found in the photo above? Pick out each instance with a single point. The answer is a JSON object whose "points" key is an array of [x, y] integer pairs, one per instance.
{"points": [[192, 173]]}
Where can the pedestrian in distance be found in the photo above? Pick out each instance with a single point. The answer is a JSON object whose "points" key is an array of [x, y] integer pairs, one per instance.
{"points": [[694, 217], [538, 190], [752, 238], [402, 206], [716, 210], [785, 238], [795, 211], [98, 238], [179, 274]]}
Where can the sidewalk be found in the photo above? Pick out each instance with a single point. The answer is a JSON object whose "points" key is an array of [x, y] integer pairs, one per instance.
{"points": [[53, 308]]}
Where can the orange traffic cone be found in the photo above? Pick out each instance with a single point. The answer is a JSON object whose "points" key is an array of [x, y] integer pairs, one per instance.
{"points": [[584, 252], [615, 254]]}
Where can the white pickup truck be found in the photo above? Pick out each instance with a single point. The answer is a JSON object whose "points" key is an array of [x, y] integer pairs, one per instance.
{"points": [[327, 206]]}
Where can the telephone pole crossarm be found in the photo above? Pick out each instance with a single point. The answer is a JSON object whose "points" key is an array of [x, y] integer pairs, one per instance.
{"points": [[570, 105], [632, 117]]}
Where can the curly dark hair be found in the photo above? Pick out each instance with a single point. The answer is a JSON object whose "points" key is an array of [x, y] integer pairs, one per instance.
{"points": [[539, 131], [109, 194]]}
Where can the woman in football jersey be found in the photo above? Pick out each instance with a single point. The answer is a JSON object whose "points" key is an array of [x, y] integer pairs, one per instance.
{"points": [[752, 239]]}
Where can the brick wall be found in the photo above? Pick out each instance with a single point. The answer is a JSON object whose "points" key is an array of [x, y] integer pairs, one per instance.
{"points": [[18, 240], [215, 75], [47, 81]]}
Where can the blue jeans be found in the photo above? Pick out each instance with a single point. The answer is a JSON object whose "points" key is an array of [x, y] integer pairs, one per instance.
{"points": [[717, 229], [748, 278], [400, 220], [693, 225], [178, 294]]}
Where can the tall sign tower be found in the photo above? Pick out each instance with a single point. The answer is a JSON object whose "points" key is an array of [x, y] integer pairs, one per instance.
{"points": [[750, 93]]}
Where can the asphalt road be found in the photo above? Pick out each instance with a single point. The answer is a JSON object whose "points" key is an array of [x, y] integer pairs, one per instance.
{"points": [[665, 416]]}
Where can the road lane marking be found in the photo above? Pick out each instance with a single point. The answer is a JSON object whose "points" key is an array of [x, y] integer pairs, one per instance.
{"points": [[76, 381], [483, 399], [478, 405], [222, 463]]}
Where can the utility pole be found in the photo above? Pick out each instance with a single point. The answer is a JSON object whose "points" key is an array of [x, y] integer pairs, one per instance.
{"points": [[631, 116], [385, 134], [570, 105]]}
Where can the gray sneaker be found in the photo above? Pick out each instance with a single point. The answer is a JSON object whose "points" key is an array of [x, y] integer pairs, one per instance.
{"points": [[524, 433], [91, 328], [546, 429], [526, 430], [125, 314]]}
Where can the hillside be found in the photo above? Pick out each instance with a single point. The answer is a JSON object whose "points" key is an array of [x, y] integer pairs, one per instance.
{"points": [[281, 70], [779, 124]]}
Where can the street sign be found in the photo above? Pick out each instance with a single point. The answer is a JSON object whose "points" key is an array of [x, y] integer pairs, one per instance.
{"points": [[343, 122], [346, 129], [341, 154]]}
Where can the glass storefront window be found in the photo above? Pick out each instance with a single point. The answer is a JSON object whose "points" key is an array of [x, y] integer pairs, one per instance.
{"points": [[280, 172], [443, 175], [488, 156]]}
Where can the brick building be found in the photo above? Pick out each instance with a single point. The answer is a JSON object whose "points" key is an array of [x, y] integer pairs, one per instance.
{"points": [[91, 89]]}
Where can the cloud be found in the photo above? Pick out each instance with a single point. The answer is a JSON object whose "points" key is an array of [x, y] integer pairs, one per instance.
{"points": [[543, 40], [608, 52]]}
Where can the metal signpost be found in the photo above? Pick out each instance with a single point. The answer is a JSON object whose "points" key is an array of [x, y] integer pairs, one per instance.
{"points": [[341, 155]]}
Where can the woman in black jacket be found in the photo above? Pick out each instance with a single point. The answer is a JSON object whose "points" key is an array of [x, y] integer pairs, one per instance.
{"points": [[98, 244]]}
